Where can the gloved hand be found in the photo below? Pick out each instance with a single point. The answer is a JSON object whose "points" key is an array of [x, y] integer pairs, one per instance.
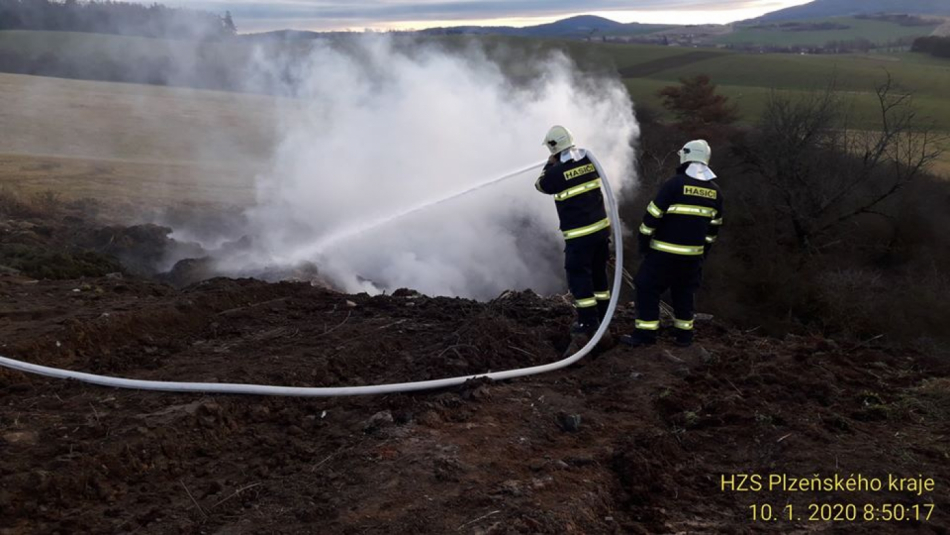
{"points": [[643, 244]]}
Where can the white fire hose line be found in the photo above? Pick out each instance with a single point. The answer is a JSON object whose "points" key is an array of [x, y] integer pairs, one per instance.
{"points": [[268, 390]]}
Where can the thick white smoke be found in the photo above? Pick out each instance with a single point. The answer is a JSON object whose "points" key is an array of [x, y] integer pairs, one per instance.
{"points": [[381, 128]]}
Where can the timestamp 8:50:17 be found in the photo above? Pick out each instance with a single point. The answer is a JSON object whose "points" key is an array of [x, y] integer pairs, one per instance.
{"points": [[844, 512]]}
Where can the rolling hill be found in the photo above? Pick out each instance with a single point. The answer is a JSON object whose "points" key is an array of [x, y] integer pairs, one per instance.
{"points": [[877, 30], [820, 9], [582, 26], [573, 27], [809, 29]]}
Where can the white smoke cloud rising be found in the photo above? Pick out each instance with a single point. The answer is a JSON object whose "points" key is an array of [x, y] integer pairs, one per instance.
{"points": [[381, 128]]}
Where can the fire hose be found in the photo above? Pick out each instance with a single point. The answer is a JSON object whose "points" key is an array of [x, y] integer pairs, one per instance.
{"points": [[269, 390]]}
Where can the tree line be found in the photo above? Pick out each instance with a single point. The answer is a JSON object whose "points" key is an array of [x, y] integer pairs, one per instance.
{"points": [[935, 46], [121, 18]]}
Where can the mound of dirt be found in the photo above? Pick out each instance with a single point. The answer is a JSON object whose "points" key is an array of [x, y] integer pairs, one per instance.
{"points": [[45, 238], [49, 239], [633, 441]]}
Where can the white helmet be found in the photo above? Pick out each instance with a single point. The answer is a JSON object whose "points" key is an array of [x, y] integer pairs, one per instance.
{"points": [[695, 151], [558, 139]]}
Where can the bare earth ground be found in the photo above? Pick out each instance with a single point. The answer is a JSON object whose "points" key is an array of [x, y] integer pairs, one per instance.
{"points": [[634, 441], [658, 427]]}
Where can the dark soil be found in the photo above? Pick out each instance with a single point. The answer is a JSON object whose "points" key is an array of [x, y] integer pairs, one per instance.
{"points": [[632, 441]]}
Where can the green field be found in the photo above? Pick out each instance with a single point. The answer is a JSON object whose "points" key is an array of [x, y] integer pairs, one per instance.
{"points": [[878, 32], [749, 79]]}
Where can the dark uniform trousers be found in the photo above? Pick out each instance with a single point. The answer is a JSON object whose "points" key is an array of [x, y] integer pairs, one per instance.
{"points": [[678, 230], [585, 261], [575, 185], [659, 272]]}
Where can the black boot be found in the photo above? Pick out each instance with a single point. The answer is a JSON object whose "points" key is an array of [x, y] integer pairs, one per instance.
{"points": [[683, 338], [639, 338], [581, 333], [606, 341]]}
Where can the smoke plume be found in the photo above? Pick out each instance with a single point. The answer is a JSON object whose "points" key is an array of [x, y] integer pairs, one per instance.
{"points": [[379, 126]]}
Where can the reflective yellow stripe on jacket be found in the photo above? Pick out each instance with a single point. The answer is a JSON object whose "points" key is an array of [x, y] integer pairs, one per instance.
{"points": [[585, 231], [577, 190], [689, 209], [686, 250]]}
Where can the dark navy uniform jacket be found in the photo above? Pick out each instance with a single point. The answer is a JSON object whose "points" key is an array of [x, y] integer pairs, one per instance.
{"points": [[575, 186], [685, 217]]}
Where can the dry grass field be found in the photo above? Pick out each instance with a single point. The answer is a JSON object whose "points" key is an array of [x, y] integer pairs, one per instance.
{"points": [[126, 181], [132, 142]]}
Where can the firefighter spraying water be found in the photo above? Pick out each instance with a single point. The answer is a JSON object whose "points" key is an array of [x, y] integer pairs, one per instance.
{"points": [[575, 184]]}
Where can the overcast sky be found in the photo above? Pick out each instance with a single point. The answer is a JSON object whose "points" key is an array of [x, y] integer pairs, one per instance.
{"points": [[258, 15]]}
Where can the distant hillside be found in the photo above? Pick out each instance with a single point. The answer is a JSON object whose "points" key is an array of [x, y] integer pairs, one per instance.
{"points": [[574, 25], [843, 34], [820, 9], [580, 26]]}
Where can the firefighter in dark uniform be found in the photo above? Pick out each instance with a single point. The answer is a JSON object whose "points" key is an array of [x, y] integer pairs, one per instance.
{"points": [[571, 177], [678, 231]]}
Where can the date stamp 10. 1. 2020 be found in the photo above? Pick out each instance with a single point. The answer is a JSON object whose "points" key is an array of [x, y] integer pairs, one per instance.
{"points": [[863, 508]]}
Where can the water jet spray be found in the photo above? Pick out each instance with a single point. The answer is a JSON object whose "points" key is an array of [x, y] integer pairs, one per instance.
{"points": [[340, 235]]}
